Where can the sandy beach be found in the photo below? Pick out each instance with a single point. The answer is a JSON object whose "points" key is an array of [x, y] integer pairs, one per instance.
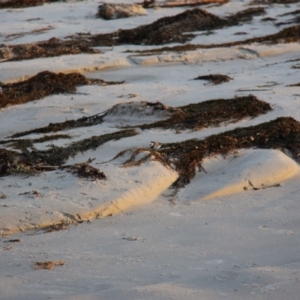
{"points": [[90, 210]]}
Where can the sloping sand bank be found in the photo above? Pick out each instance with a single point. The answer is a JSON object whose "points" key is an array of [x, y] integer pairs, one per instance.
{"points": [[59, 197], [251, 169]]}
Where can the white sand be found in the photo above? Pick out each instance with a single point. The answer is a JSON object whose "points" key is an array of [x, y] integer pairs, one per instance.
{"points": [[241, 244]]}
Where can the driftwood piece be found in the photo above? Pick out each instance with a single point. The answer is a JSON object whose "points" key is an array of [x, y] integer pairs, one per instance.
{"points": [[110, 11], [176, 3]]}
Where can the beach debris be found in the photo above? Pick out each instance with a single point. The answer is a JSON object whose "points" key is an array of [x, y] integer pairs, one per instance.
{"points": [[44, 84], [22, 3], [287, 35], [272, 2], [84, 170], [129, 96], [48, 265], [134, 112], [214, 78], [31, 162], [56, 227], [176, 3], [263, 187], [210, 113], [49, 48], [174, 29], [14, 36], [186, 157], [32, 194], [122, 113], [9, 247], [12, 241], [241, 33], [110, 11], [294, 20], [293, 85], [131, 239], [166, 30]]}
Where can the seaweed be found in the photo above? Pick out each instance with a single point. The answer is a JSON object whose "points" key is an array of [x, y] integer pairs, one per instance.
{"points": [[31, 162], [293, 85], [49, 48], [214, 78], [212, 113], [287, 35], [44, 84], [173, 29], [271, 2], [84, 170], [186, 157], [165, 30], [23, 3]]}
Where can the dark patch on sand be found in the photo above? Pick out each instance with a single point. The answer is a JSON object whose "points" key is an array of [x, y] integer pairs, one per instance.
{"points": [[25, 144], [95, 119], [295, 20], [84, 170], [268, 19], [49, 48], [174, 29], [212, 113], [23, 3], [271, 2], [293, 85], [44, 84], [33, 161], [287, 35], [214, 78], [241, 33], [69, 124]]}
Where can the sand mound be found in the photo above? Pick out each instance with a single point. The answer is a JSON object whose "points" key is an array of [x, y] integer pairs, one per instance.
{"points": [[251, 169], [137, 112], [110, 11], [61, 198]]}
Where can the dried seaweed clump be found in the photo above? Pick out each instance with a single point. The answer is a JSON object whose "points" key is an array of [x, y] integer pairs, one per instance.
{"points": [[270, 2], [141, 109], [293, 85], [186, 157], [59, 155], [41, 85], [30, 162], [87, 171], [173, 29], [214, 78], [212, 113], [166, 30], [84, 170], [49, 48], [68, 124], [22, 3], [287, 35]]}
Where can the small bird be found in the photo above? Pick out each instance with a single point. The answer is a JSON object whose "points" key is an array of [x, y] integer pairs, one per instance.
{"points": [[155, 145]]}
